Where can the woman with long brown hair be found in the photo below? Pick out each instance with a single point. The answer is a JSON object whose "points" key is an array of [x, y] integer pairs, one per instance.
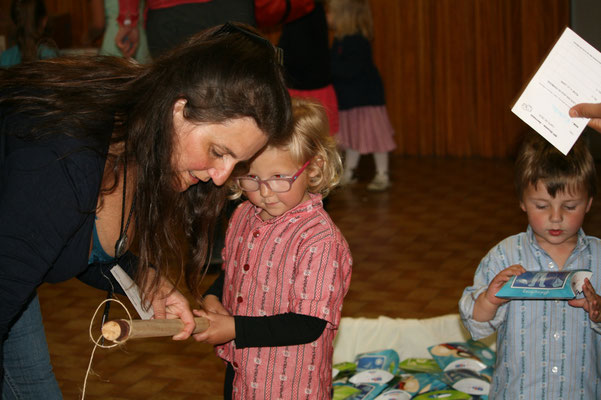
{"points": [[99, 154]]}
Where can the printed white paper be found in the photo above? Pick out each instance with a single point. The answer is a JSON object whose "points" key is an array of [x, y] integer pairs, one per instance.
{"points": [[570, 74], [132, 291]]}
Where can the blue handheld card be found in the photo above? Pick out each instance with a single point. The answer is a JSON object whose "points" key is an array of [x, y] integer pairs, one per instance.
{"points": [[545, 285]]}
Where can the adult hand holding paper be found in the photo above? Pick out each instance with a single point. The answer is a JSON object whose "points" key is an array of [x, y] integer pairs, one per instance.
{"points": [[588, 110], [570, 74]]}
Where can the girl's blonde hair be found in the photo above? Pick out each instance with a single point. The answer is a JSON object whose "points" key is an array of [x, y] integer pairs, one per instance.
{"points": [[310, 140], [349, 17]]}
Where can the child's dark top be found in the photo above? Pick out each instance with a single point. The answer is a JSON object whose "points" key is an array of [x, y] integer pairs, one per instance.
{"points": [[306, 52], [277, 330], [355, 77]]}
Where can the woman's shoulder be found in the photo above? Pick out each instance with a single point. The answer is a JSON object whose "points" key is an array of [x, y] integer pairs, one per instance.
{"points": [[76, 156]]}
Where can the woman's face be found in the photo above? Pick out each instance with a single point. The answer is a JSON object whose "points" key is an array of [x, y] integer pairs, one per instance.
{"points": [[204, 152]]}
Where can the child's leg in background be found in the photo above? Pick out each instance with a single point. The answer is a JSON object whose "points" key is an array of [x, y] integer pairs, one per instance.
{"points": [[381, 181], [381, 160], [351, 160]]}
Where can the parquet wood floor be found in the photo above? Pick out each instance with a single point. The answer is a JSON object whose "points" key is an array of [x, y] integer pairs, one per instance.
{"points": [[415, 248]]}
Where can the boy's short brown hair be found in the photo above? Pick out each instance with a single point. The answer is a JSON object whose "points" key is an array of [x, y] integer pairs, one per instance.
{"points": [[539, 161]]}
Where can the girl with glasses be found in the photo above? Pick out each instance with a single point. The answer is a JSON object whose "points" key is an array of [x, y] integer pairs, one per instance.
{"points": [[275, 309]]}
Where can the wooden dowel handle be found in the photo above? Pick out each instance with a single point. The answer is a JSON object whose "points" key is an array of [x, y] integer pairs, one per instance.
{"points": [[121, 330]]}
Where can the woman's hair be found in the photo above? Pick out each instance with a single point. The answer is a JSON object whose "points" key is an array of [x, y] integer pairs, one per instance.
{"points": [[350, 17], [539, 162], [310, 140], [223, 73], [29, 16]]}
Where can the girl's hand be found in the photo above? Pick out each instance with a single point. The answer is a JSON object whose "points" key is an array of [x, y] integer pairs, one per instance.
{"points": [[222, 328], [498, 281], [212, 304], [588, 110], [591, 303]]}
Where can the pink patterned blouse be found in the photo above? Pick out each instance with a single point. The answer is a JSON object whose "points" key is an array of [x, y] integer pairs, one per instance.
{"points": [[298, 262]]}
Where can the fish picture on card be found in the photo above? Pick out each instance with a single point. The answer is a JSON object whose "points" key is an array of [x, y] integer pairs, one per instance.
{"points": [[569, 75]]}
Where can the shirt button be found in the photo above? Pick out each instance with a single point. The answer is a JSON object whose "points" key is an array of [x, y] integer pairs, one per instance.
{"points": [[256, 234], [554, 369], [239, 299], [556, 336], [246, 267], [551, 265], [235, 364]]}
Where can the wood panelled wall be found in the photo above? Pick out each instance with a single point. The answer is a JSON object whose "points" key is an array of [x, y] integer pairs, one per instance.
{"points": [[79, 10], [451, 68]]}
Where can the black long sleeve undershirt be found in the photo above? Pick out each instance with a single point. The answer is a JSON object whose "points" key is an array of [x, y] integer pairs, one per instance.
{"points": [[287, 329]]}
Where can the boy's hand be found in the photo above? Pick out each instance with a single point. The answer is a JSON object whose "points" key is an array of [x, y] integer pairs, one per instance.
{"points": [[222, 328], [591, 302], [488, 303], [498, 281]]}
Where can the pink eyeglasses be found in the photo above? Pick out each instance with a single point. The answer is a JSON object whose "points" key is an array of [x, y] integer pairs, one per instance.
{"points": [[277, 185]]}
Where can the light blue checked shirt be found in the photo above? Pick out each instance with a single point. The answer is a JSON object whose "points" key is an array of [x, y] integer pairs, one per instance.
{"points": [[545, 348]]}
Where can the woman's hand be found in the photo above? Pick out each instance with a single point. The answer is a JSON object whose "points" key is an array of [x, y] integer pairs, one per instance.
{"points": [[171, 304], [212, 304]]}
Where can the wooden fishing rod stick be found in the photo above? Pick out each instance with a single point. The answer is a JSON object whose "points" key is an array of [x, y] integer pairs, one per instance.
{"points": [[120, 330]]}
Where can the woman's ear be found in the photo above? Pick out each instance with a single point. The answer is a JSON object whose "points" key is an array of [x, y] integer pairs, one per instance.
{"points": [[179, 119], [178, 113], [178, 107]]}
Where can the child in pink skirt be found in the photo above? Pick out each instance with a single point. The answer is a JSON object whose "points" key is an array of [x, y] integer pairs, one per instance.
{"points": [[364, 124]]}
